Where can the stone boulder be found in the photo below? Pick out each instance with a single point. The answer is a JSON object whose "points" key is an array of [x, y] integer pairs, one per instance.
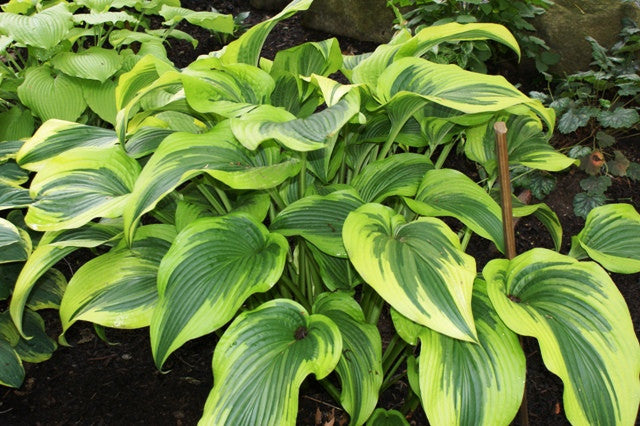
{"points": [[366, 20], [567, 23]]}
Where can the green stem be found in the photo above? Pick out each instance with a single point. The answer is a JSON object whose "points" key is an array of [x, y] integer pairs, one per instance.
{"points": [[302, 182], [291, 286], [280, 204], [443, 155], [211, 199], [394, 349], [331, 389], [465, 238], [371, 304], [223, 198], [395, 130]]}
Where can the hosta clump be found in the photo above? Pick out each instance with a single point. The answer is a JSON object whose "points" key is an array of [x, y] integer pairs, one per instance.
{"points": [[256, 198]]}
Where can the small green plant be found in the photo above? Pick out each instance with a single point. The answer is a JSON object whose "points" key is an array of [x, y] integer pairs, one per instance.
{"points": [[602, 104], [267, 202], [515, 15]]}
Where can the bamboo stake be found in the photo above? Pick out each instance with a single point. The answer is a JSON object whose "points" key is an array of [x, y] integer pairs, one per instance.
{"points": [[502, 151]]}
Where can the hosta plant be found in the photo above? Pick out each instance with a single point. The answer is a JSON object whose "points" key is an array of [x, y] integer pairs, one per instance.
{"points": [[270, 203]]}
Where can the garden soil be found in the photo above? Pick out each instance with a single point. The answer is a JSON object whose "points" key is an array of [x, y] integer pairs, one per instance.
{"points": [[116, 383]]}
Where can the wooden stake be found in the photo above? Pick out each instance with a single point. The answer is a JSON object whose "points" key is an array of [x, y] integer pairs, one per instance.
{"points": [[502, 151], [500, 129]]}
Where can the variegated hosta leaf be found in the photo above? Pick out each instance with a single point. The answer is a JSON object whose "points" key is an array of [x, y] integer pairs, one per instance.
{"points": [[80, 185], [44, 29], [9, 148], [322, 58], [246, 49], [611, 237], [119, 289], [12, 174], [57, 136], [369, 68], [182, 156], [583, 327], [336, 273], [11, 369], [51, 96], [213, 21], [399, 174], [95, 63], [419, 267], [12, 197], [360, 366], [319, 219], [228, 90], [261, 361], [301, 134], [448, 192], [54, 246], [452, 87], [15, 244], [213, 266], [39, 347], [463, 383], [527, 144], [544, 214], [382, 417], [47, 291], [104, 5]]}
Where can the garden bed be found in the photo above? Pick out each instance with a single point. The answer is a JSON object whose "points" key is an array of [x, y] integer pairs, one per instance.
{"points": [[96, 383]]}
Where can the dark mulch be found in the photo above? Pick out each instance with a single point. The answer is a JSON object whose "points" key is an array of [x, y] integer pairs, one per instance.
{"points": [[94, 383]]}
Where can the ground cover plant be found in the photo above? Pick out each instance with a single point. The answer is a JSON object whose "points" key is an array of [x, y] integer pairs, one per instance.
{"points": [[271, 204]]}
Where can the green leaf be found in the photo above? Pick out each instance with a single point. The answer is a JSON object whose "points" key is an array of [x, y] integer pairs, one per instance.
{"points": [[15, 123], [301, 134], [212, 267], [263, 358], [12, 371], [360, 366], [101, 98], [584, 202], [398, 175], [526, 142], [8, 149], [101, 18], [544, 214], [44, 29], [419, 267], [51, 96], [619, 165], [619, 118], [321, 58], [611, 237], [53, 246], [382, 417], [212, 21], [15, 244], [463, 383], [246, 49], [118, 289], [583, 327], [182, 156], [448, 192], [319, 219], [80, 185], [12, 174], [95, 63], [104, 5], [57, 136], [573, 119]]}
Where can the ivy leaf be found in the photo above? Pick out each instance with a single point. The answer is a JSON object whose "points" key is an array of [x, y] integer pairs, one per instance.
{"points": [[619, 118], [595, 184], [584, 202], [579, 151], [633, 171], [573, 119], [541, 185], [604, 139], [619, 165]]}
